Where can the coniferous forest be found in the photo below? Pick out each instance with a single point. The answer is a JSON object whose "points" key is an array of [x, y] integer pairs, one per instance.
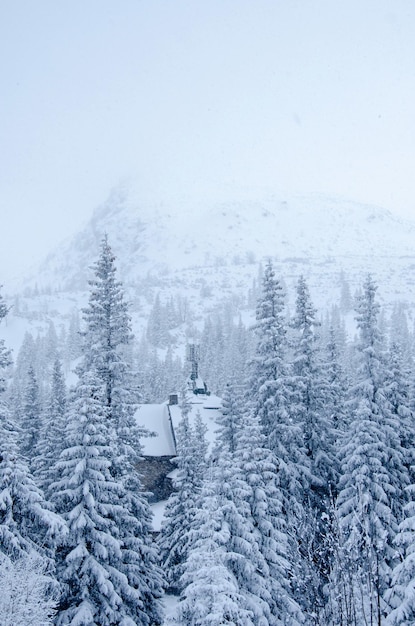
{"points": [[301, 512]]}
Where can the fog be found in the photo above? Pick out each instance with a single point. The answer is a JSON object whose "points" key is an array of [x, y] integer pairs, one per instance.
{"points": [[201, 99]]}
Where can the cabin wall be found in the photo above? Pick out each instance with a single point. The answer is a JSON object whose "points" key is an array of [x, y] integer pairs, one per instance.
{"points": [[154, 471]]}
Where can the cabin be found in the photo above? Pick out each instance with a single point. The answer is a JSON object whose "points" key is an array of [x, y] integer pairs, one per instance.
{"points": [[161, 420]]}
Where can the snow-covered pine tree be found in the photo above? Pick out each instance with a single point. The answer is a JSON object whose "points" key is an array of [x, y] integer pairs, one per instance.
{"points": [[5, 355], [184, 502], [399, 332], [243, 557], [308, 407], [212, 352], [268, 377], [158, 324], [46, 352], [231, 418], [16, 392], [269, 388], [99, 561], [398, 393], [346, 300], [107, 337], [249, 510], [31, 423], [239, 351], [106, 395], [107, 333], [52, 439], [152, 375], [400, 596], [309, 385], [270, 397], [209, 353], [373, 473], [26, 523], [173, 374], [211, 594], [335, 389], [259, 469]]}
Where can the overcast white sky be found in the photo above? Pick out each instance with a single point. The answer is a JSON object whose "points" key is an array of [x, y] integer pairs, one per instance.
{"points": [[192, 97]]}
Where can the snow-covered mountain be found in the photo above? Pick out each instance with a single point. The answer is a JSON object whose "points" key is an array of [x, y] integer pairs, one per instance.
{"points": [[210, 251], [160, 238]]}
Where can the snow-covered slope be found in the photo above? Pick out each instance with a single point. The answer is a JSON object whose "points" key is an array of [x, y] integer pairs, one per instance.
{"points": [[209, 252], [163, 238]]}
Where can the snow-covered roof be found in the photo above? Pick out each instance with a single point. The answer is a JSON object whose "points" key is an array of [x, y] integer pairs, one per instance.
{"points": [[198, 383], [209, 408], [163, 419], [155, 418]]}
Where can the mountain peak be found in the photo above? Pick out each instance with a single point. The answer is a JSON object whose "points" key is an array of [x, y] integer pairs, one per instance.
{"points": [[159, 238]]}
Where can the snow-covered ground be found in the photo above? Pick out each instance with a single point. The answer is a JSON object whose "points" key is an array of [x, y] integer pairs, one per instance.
{"points": [[158, 514], [170, 603]]}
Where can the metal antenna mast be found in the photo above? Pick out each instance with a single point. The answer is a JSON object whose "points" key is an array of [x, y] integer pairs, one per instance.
{"points": [[193, 355]]}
